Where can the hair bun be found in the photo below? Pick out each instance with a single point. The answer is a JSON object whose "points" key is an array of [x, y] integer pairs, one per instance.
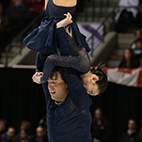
{"points": [[101, 65]]}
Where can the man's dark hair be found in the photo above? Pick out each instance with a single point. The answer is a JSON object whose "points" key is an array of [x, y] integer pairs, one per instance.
{"points": [[55, 71], [103, 81]]}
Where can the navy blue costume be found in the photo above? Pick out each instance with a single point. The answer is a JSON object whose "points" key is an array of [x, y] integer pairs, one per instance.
{"points": [[70, 121], [43, 38]]}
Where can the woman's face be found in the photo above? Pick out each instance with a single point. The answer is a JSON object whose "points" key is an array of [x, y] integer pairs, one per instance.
{"points": [[127, 54], [90, 85]]}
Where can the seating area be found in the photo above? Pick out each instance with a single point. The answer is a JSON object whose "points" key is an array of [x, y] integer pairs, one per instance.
{"points": [[113, 30]]}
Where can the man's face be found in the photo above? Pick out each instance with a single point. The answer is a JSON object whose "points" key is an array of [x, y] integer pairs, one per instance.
{"points": [[131, 125], [23, 134], [10, 133], [40, 132], [57, 88], [98, 114]]}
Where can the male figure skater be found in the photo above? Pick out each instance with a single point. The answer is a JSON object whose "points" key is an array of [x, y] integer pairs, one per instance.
{"points": [[67, 106]]}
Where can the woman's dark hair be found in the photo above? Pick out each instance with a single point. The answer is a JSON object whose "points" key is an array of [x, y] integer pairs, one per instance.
{"points": [[123, 63], [130, 50], [103, 81]]}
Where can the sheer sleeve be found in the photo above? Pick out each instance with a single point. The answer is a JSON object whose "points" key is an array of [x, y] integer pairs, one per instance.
{"points": [[81, 63]]}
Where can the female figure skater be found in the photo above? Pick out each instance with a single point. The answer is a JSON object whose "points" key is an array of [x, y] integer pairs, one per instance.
{"points": [[43, 39], [95, 81]]}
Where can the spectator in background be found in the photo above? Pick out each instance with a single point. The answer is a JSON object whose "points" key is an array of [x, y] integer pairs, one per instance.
{"points": [[19, 16], [9, 136], [131, 134], [138, 34], [40, 134], [126, 15], [128, 61], [100, 128], [26, 126], [24, 136], [2, 127], [137, 51]]}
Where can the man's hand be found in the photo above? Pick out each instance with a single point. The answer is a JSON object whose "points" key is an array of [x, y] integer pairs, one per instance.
{"points": [[36, 77], [65, 22]]}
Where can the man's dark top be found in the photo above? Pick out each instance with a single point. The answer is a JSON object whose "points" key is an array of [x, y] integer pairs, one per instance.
{"points": [[129, 138], [71, 121], [101, 131]]}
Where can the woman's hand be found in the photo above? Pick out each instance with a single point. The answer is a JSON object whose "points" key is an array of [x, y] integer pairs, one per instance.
{"points": [[36, 77], [65, 22]]}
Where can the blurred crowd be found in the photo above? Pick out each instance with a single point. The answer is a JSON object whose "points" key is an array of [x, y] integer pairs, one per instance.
{"points": [[15, 16], [101, 131], [8, 133], [132, 57]]}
